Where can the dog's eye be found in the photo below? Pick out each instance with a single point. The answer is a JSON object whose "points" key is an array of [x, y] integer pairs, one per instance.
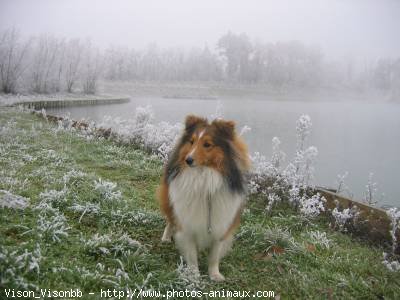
{"points": [[207, 145]]}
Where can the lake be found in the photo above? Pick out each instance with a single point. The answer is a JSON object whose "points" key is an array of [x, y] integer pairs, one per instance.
{"points": [[353, 136]]}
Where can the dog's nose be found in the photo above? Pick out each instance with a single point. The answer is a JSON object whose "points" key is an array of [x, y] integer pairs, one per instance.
{"points": [[189, 160]]}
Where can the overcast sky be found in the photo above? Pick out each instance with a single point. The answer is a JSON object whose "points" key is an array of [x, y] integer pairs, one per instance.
{"points": [[363, 28]]}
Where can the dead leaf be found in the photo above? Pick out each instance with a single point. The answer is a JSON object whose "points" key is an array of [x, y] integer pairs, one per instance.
{"points": [[311, 248], [263, 256], [280, 269], [277, 250]]}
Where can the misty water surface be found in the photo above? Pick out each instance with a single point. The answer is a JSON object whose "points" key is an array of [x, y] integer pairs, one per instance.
{"points": [[350, 136]]}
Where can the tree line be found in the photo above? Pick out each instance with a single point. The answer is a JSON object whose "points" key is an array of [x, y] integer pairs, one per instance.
{"points": [[47, 64]]}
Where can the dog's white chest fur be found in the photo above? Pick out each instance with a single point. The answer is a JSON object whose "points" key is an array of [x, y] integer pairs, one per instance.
{"points": [[203, 204]]}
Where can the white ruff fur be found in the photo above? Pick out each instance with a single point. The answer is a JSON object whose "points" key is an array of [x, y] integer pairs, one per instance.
{"points": [[194, 194], [189, 198]]}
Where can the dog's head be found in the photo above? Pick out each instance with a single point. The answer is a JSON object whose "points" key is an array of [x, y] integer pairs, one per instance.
{"points": [[206, 144]]}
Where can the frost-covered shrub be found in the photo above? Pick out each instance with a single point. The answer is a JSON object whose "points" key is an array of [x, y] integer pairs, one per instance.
{"points": [[313, 206], [111, 244], [267, 178], [288, 184], [107, 190], [16, 266], [8, 199], [141, 130]]}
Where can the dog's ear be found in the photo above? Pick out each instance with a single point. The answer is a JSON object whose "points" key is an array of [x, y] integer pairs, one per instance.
{"points": [[225, 128], [192, 121]]}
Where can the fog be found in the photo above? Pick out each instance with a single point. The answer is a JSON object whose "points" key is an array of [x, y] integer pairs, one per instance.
{"points": [[367, 29], [297, 57]]}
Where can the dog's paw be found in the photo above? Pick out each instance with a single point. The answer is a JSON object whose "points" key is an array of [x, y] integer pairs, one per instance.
{"points": [[217, 277], [165, 239]]}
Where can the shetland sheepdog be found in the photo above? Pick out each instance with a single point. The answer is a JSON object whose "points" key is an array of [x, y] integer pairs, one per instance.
{"points": [[202, 192]]}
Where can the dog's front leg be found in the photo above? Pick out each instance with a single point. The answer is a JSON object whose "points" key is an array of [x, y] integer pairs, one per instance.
{"points": [[213, 261], [188, 248], [167, 235]]}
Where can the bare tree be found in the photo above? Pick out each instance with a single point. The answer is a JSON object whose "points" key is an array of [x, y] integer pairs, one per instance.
{"points": [[12, 59], [237, 50], [44, 67], [93, 65], [73, 54]]}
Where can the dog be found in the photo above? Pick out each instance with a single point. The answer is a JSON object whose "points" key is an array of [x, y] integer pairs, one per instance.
{"points": [[202, 191]]}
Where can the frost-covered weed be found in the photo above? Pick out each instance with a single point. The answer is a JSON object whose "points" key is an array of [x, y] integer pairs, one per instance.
{"points": [[53, 197], [47, 174], [319, 238], [267, 179], [8, 199], [142, 131], [86, 209], [391, 265], [278, 156], [107, 190], [131, 218], [72, 176], [343, 217], [394, 216], [370, 191], [189, 278], [289, 184], [51, 156], [277, 237], [300, 173], [16, 265], [120, 272], [313, 206], [10, 183], [218, 113], [96, 276], [303, 129], [52, 226], [112, 244], [341, 186], [245, 129], [64, 124], [28, 158]]}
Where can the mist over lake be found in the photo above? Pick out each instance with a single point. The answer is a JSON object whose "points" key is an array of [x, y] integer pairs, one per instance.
{"points": [[351, 135]]}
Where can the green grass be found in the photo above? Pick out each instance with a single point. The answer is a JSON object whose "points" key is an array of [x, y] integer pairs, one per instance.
{"points": [[275, 252]]}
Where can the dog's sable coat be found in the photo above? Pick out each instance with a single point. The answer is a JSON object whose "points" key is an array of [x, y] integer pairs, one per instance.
{"points": [[202, 191]]}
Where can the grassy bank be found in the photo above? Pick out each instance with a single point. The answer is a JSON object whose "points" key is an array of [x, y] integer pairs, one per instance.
{"points": [[85, 217]]}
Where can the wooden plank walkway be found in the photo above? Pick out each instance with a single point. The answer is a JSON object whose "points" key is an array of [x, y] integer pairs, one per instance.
{"points": [[38, 105]]}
